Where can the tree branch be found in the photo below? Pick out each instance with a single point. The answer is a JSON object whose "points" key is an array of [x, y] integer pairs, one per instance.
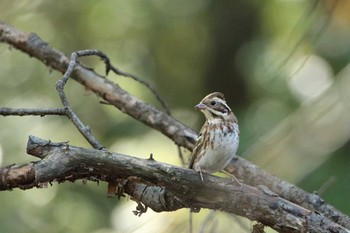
{"points": [[60, 84], [32, 111], [149, 115], [162, 187], [32, 45]]}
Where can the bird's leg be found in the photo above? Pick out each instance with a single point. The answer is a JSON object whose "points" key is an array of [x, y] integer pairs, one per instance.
{"points": [[198, 169], [234, 179]]}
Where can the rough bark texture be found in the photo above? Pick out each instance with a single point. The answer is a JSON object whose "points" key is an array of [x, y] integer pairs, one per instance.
{"points": [[162, 187], [44, 170]]}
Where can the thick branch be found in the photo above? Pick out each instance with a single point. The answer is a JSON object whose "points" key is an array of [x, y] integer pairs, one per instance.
{"points": [[254, 175], [176, 131], [164, 187]]}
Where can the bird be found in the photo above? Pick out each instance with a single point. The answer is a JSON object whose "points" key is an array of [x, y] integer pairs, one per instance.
{"points": [[218, 139]]}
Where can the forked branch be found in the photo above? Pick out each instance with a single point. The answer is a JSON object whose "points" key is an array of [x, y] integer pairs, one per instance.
{"points": [[149, 115], [162, 187]]}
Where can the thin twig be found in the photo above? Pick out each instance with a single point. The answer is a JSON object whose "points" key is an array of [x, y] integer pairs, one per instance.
{"points": [[32, 111], [182, 159], [34, 46], [84, 130], [191, 222], [209, 219], [148, 85], [326, 185], [110, 67]]}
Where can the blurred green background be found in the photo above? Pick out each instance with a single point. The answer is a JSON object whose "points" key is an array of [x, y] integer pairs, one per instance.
{"points": [[282, 65]]}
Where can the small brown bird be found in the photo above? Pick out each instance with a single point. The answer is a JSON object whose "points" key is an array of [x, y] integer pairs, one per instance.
{"points": [[218, 139]]}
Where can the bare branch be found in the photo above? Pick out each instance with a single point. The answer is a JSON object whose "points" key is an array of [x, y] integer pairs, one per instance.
{"points": [[32, 111], [84, 130], [110, 67], [176, 131], [162, 187], [254, 175], [70, 113]]}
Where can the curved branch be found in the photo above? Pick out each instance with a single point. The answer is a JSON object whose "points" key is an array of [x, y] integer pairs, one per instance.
{"points": [[163, 187], [34, 46], [60, 84], [110, 67], [149, 115]]}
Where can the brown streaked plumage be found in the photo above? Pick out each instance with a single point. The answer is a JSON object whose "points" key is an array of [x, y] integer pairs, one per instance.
{"points": [[218, 139]]}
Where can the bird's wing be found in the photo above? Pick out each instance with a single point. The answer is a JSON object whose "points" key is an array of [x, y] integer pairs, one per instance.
{"points": [[196, 150]]}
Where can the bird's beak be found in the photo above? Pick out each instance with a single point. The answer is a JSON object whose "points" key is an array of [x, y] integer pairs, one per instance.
{"points": [[201, 106]]}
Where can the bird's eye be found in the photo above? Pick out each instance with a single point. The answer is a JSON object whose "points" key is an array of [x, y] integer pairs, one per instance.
{"points": [[213, 103]]}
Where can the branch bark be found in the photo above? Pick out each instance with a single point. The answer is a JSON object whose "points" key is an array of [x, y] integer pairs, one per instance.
{"points": [[162, 187], [32, 45], [32, 111], [112, 93]]}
